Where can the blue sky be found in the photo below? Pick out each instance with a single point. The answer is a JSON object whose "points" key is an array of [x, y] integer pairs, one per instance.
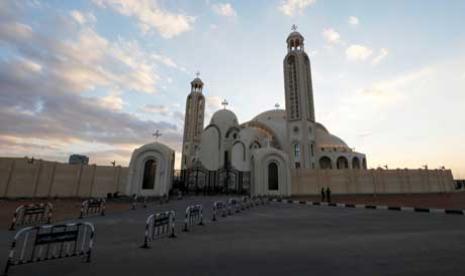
{"points": [[99, 76]]}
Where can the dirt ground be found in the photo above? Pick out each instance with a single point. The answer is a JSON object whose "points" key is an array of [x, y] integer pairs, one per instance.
{"points": [[442, 201], [62, 208]]}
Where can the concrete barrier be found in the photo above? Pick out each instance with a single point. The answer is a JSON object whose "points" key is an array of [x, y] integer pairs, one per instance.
{"points": [[32, 214], [51, 242]]}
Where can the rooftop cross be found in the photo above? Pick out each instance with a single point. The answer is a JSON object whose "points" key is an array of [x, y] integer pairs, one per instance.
{"points": [[224, 103], [157, 134], [294, 27], [197, 74]]}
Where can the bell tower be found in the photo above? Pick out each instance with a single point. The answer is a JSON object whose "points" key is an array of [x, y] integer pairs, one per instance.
{"points": [[193, 123], [299, 102]]}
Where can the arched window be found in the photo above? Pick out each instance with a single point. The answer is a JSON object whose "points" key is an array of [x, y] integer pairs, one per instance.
{"points": [[342, 163], [364, 163], [325, 163], [355, 163], [150, 170], [273, 177]]}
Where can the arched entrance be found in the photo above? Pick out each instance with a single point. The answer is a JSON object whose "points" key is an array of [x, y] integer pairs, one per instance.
{"points": [[150, 171], [273, 177]]}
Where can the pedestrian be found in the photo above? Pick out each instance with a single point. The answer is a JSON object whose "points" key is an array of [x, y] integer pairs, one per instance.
{"points": [[322, 194], [328, 195]]}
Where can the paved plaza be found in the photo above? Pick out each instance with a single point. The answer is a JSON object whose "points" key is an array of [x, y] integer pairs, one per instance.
{"points": [[275, 239]]}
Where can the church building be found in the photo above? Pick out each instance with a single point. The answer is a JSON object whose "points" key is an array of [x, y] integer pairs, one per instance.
{"points": [[279, 152], [257, 156]]}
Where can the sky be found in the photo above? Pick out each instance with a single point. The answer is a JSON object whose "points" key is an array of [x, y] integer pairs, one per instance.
{"points": [[98, 77]]}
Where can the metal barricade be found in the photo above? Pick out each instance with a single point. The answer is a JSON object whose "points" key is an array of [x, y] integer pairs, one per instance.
{"points": [[194, 215], [32, 214], [92, 206], [219, 207], [136, 200], [233, 203], [159, 225], [51, 242]]}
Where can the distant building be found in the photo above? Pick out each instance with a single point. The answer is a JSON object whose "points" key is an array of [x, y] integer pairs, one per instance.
{"points": [[78, 159]]}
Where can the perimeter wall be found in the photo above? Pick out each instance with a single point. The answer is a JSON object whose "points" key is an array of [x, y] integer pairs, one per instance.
{"points": [[19, 178], [379, 181]]}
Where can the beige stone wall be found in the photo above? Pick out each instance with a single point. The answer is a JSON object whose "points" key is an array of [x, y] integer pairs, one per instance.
{"points": [[18, 178], [308, 181]]}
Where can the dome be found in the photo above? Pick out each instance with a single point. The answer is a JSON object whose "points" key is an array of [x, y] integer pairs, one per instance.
{"points": [[197, 81], [274, 115], [224, 118], [295, 35], [274, 121], [324, 139]]}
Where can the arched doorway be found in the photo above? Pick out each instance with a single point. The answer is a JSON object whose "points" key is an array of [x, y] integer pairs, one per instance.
{"points": [[273, 177], [342, 163], [150, 171], [325, 163], [355, 163]]}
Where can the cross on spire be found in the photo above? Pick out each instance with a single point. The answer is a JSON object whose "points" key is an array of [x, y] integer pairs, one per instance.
{"points": [[294, 27], [157, 134], [197, 74], [224, 103]]}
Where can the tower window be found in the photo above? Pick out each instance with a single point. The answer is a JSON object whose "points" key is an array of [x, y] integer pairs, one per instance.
{"points": [[297, 151]]}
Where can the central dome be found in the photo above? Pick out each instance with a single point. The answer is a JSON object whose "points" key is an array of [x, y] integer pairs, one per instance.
{"points": [[224, 117]]}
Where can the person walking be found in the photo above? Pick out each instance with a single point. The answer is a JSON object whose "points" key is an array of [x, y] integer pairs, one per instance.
{"points": [[328, 195], [322, 194]]}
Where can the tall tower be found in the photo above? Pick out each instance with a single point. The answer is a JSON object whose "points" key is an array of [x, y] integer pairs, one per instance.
{"points": [[193, 123], [299, 103]]}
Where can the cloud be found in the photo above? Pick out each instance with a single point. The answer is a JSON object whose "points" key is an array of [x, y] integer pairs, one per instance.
{"points": [[224, 9], [165, 60], [290, 7], [383, 52], [358, 52], [150, 16], [331, 36], [46, 84], [82, 18], [353, 21], [213, 102], [152, 108]]}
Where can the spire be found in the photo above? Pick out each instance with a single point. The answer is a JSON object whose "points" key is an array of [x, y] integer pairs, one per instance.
{"points": [[197, 83]]}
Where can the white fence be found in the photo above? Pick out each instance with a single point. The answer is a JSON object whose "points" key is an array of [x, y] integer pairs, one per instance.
{"points": [[32, 214]]}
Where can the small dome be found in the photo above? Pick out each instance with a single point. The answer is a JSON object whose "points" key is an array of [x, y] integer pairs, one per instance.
{"points": [[224, 117], [197, 81], [295, 35], [324, 139]]}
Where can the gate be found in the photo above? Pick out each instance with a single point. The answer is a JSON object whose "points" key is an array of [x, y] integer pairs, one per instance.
{"points": [[32, 214], [51, 242], [159, 225]]}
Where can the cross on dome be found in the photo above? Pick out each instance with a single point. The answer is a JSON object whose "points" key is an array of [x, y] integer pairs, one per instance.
{"points": [[294, 27], [157, 134], [197, 74], [224, 103]]}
